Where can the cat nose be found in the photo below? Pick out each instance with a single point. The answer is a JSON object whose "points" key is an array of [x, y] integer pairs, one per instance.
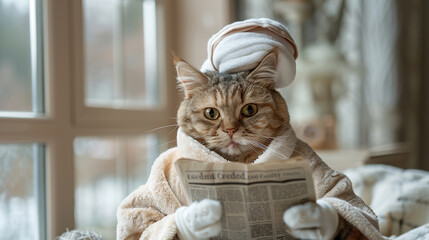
{"points": [[230, 131]]}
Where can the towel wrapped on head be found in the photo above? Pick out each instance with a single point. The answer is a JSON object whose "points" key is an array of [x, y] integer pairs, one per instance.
{"points": [[240, 46]]}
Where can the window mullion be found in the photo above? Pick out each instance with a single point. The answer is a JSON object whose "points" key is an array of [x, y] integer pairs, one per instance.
{"points": [[150, 48], [39, 158], [37, 59], [118, 52]]}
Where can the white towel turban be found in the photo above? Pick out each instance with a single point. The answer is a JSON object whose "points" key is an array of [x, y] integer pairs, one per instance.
{"points": [[242, 45]]}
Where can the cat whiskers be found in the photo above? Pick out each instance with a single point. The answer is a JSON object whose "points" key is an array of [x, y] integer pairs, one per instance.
{"points": [[295, 148], [260, 145], [277, 139], [167, 143], [249, 144], [167, 126], [177, 126]]}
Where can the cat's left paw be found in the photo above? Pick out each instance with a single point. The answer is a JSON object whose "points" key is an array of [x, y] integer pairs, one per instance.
{"points": [[199, 221], [312, 220]]}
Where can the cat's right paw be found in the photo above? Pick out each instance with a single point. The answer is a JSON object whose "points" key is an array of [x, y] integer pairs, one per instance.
{"points": [[200, 220]]}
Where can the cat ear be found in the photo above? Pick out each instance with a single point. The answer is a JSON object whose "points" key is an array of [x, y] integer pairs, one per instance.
{"points": [[265, 73], [189, 77]]}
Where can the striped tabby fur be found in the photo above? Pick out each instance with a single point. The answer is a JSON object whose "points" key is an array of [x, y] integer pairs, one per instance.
{"points": [[228, 94]]}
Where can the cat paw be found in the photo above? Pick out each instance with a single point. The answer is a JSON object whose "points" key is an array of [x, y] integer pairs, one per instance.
{"points": [[312, 220], [201, 219]]}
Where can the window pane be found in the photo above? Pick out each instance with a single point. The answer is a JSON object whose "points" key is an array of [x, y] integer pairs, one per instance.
{"points": [[21, 191], [106, 171], [120, 53], [20, 56]]}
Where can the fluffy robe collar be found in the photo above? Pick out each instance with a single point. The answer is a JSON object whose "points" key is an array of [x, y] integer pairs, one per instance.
{"points": [[280, 148]]}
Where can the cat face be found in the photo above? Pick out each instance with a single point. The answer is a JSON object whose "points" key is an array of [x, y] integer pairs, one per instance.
{"points": [[235, 115]]}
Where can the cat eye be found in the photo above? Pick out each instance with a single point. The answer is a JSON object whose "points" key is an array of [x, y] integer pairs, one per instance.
{"points": [[249, 110], [211, 113]]}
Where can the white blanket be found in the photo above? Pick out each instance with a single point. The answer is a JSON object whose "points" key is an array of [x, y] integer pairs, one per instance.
{"points": [[400, 198]]}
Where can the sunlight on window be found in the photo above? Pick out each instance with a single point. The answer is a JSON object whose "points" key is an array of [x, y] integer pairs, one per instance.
{"points": [[21, 57], [106, 171], [120, 53], [15, 56], [19, 192]]}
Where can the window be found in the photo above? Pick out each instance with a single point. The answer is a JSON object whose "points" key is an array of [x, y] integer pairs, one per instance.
{"points": [[119, 85], [107, 169], [22, 191], [81, 90], [21, 72], [22, 160], [120, 53]]}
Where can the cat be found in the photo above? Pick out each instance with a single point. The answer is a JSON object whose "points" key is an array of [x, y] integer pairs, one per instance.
{"points": [[235, 115]]}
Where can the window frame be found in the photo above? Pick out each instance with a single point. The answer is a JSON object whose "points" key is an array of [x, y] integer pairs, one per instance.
{"points": [[66, 117], [33, 127], [90, 116]]}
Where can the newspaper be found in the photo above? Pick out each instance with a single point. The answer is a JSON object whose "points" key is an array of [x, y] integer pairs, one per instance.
{"points": [[253, 196]]}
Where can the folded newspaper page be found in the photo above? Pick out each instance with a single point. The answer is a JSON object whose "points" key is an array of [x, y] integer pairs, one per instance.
{"points": [[253, 196]]}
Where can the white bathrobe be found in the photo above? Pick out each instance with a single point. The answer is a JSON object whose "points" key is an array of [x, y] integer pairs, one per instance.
{"points": [[148, 212]]}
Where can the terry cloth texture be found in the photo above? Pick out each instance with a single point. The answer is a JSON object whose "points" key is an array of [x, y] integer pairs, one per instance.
{"points": [[148, 212], [320, 220], [242, 45], [199, 221], [400, 198]]}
